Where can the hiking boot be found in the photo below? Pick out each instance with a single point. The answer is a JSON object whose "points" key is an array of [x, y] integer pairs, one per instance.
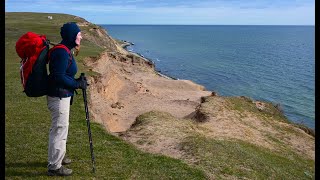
{"points": [[62, 171], [66, 161]]}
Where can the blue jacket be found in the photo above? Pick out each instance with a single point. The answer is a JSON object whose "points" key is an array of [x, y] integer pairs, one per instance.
{"points": [[61, 81]]}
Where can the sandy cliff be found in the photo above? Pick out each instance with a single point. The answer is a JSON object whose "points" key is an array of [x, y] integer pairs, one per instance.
{"points": [[128, 86]]}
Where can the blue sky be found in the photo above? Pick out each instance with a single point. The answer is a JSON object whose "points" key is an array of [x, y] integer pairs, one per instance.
{"points": [[211, 12]]}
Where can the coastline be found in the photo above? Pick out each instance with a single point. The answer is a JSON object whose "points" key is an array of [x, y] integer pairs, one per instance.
{"points": [[130, 91], [128, 88], [125, 44], [256, 77], [134, 57]]}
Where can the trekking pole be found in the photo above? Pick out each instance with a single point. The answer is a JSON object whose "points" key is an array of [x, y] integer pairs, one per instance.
{"points": [[84, 92]]}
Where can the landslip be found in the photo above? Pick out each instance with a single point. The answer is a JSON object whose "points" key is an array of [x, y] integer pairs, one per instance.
{"points": [[157, 113]]}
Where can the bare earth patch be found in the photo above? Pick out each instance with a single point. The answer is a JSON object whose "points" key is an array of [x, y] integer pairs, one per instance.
{"points": [[139, 89]]}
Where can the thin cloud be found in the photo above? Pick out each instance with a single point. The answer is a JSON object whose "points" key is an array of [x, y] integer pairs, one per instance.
{"points": [[186, 11], [106, 8]]}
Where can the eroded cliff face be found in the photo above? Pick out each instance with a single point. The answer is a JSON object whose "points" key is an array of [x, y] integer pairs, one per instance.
{"points": [[159, 114], [129, 86]]}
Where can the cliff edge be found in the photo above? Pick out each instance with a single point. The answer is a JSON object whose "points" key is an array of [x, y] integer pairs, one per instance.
{"points": [[180, 118]]}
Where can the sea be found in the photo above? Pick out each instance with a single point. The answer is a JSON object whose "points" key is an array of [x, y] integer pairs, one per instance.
{"points": [[265, 62]]}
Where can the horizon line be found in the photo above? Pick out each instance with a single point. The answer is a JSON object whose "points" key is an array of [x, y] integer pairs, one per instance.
{"points": [[165, 24]]}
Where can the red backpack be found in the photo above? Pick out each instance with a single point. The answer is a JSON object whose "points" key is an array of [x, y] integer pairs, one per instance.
{"points": [[33, 49]]}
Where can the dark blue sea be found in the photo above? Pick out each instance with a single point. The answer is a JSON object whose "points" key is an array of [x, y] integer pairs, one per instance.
{"points": [[270, 63]]}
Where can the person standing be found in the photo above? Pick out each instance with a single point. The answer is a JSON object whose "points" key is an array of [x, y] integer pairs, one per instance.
{"points": [[61, 87]]}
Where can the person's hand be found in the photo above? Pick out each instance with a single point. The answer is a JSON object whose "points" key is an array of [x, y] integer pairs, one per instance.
{"points": [[82, 82]]}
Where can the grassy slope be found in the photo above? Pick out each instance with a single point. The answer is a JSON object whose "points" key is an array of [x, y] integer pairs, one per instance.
{"points": [[28, 122], [227, 158]]}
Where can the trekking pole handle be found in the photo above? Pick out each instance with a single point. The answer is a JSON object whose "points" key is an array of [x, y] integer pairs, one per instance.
{"points": [[82, 75]]}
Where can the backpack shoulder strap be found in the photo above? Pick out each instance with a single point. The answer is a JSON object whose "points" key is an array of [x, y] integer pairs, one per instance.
{"points": [[60, 46]]}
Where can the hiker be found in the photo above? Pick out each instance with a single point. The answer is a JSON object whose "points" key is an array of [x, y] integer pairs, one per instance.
{"points": [[61, 87]]}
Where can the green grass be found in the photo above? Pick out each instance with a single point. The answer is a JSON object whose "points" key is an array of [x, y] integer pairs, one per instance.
{"points": [[270, 111], [228, 158], [242, 160], [242, 104], [28, 122]]}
